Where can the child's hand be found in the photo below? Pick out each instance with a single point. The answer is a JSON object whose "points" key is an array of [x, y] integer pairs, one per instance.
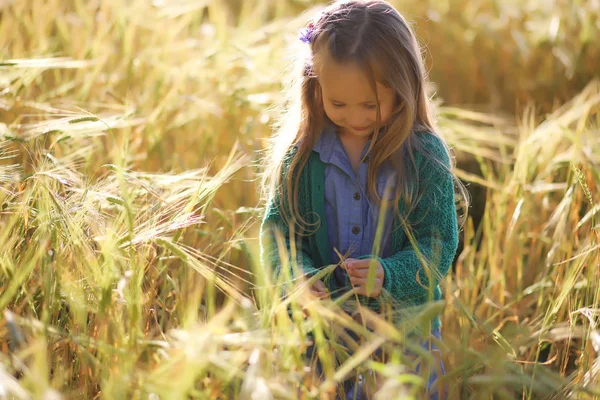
{"points": [[319, 290], [358, 271]]}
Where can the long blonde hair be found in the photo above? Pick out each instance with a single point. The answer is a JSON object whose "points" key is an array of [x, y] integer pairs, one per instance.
{"points": [[373, 35]]}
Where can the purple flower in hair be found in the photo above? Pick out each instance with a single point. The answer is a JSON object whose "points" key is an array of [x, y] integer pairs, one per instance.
{"points": [[306, 34]]}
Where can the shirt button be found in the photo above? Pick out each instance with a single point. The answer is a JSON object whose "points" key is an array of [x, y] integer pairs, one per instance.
{"points": [[356, 230], [356, 196]]}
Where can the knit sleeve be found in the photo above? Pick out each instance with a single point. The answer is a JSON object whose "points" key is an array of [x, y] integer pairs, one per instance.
{"points": [[274, 225], [434, 229]]}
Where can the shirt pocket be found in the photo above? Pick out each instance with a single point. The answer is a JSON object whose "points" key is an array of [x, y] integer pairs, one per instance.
{"points": [[386, 180]]}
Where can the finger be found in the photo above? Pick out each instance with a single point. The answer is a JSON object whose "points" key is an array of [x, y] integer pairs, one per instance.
{"points": [[364, 274], [318, 283], [364, 264], [363, 291], [360, 282], [359, 273], [320, 294], [349, 262]]}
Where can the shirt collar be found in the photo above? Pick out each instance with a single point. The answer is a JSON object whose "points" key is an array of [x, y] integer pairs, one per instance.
{"points": [[328, 142], [325, 141]]}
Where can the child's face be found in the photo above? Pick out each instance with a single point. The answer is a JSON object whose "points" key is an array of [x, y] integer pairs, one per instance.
{"points": [[349, 101]]}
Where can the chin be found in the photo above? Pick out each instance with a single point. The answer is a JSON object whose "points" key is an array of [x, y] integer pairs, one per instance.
{"points": [[366, 132]]}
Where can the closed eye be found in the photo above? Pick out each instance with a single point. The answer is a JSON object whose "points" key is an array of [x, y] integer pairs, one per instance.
{"points": [[367, 106]]}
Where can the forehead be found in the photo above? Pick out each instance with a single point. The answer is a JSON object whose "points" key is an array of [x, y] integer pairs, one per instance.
{"points": [[347, 82]]}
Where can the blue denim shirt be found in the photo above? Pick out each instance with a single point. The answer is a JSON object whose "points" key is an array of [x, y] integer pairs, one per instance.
{"points": [[351, 216]]}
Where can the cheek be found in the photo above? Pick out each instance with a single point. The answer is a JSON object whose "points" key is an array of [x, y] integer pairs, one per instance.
{"points": [[386, 113], [332, 113]]}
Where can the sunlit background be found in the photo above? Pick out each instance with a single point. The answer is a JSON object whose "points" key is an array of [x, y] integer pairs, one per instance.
{"points": [[130, 138]]}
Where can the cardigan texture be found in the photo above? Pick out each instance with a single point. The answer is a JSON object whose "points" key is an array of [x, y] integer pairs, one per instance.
{"points": [[419, 260]]}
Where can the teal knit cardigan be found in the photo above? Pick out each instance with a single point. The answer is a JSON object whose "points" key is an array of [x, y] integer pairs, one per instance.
{"points": [[433, 225]]}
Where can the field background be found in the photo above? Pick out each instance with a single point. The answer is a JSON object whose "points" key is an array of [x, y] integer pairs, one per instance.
{"points": [[130, 135]]}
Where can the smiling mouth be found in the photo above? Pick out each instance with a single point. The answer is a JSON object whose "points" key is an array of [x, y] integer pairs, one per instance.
{"points": [[360, 129]]}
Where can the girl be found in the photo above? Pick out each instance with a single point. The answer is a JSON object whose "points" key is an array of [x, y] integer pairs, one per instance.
{"points": [[357, 140]]}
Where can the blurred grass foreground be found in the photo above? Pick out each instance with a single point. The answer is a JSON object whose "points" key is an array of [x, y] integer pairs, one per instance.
{"points": [[130, 132]]}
